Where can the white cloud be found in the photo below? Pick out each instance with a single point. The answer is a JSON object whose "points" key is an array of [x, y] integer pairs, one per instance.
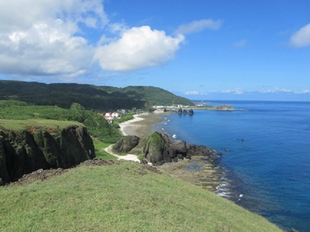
{"points": [[240, 43], [118, 27], [305, 91], [199, 25], [42, 40], [301, 38], [89, 12], [50, 38], [192, 92], [138, 47], [235, 91], [275, 90]]}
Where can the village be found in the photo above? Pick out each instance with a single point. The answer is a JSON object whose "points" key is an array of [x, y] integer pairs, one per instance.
{"points": [[180, 109]]}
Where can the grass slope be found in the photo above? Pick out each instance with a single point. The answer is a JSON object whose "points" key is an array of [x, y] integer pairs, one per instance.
{"points": [[23, 124], [120, 197], [17, 115], [100, 153]]}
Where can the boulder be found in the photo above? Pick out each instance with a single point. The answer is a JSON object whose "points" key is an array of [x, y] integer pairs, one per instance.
{"points": [[200, 150], [126, 144], [159, 148], [153, 148], [180, 148], [166, 157]]}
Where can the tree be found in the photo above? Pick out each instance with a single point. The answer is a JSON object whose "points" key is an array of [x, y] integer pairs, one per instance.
{"points": [[76, 106]]}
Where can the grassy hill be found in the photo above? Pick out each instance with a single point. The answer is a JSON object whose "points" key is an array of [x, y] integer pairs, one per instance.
{"points": [[19, 125], [121, 197], [102, 98], [17, 115]]}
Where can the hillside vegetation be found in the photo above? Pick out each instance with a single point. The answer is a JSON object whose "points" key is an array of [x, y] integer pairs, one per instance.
{"points": [[18, 115], [91, 97], [121, 197]]}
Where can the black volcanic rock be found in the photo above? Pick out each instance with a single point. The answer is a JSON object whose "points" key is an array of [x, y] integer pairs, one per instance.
{"points": [[126, 143], [23, 152]]}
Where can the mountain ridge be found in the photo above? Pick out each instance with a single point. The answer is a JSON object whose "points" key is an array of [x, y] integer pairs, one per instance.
{"points": [[93, 97]]}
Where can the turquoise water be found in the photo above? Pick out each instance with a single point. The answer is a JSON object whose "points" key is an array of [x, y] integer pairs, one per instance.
{"points": [[266, 155]]}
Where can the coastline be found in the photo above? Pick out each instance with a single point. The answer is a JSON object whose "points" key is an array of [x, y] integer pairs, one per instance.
{"points": [[141, 125], [244, 192], [197, 170]]}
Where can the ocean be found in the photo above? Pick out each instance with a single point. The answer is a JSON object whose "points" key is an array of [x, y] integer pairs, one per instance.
{"points": [[265, 150]]}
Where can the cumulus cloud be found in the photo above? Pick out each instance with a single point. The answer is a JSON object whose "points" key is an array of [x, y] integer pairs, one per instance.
{"points": [[199, 25], [43, 41], [301, 38], [50, 38], [43, 49], [138, 47]]}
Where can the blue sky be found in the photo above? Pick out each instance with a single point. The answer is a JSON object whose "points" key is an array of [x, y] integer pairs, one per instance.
{"points": [[199, 49]]}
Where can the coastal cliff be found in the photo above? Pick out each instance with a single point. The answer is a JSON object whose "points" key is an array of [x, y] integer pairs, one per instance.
{"points": [[22, 152]]}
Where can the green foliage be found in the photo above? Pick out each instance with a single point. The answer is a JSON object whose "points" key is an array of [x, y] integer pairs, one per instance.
{"points": [[76, 106], [141, 157], [122, 197], [12, 102], [103, 98], [154, 96], [18, 117], [124, 118], [157, 140]]}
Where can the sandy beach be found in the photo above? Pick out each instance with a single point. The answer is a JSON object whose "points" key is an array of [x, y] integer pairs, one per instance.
{"points": [[140, 126]]}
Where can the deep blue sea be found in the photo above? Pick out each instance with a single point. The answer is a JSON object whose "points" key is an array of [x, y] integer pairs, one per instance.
{"points": [[265, 151]]}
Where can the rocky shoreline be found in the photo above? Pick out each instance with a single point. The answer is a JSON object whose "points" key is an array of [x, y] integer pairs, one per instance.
{"points": [[191, 163], [196, 171]]}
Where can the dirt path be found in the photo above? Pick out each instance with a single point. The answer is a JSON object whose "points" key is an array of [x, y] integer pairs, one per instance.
{"points": [[130, 157]]}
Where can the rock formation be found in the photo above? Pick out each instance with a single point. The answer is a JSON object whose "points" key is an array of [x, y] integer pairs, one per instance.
{"points": [[126, 143], [158, 148], [224, 107], [23, 152]]}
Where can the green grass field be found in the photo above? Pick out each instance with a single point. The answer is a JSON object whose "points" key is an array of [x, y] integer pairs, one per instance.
{"points": [[23, 124], [100, 153], [120, 197]]}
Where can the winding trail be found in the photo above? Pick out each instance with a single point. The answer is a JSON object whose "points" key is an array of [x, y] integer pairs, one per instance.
{"points": [[129, 157]]}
